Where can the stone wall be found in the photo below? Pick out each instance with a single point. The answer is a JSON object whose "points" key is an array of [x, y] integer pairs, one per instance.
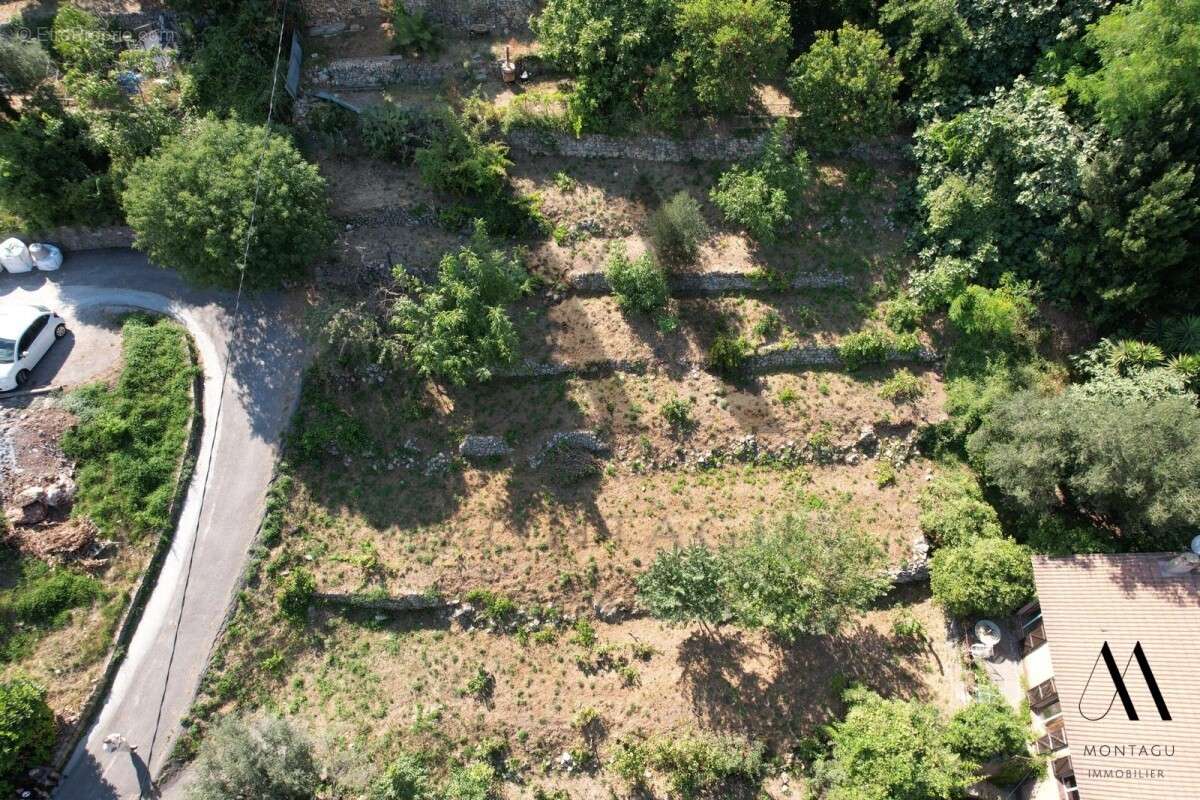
{"points": [[79, 238], [501, 17], [710, 284], [639, 148], [371, 72]]}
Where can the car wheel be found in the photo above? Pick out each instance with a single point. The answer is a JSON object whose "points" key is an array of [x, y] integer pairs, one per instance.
{"points": [[22, 377], [60, 331]]}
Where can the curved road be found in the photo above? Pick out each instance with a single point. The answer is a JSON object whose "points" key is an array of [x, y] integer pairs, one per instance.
{"points": [[157, 682]]}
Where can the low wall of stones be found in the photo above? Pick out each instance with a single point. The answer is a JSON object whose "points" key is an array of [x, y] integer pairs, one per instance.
{"points": [[371, 72], [637, 148], [78, 238], [500, 17]]}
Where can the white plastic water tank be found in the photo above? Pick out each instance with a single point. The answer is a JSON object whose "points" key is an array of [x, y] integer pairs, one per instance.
{"points": [[14, 256], [46, 257]]}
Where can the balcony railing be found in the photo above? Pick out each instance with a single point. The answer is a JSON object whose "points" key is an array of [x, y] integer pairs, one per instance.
{"points": [[1052, 741], [1043, 694], [1035, 637]]}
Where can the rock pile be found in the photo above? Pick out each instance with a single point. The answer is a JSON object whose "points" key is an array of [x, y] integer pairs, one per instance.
{"points": [[34, 504]]}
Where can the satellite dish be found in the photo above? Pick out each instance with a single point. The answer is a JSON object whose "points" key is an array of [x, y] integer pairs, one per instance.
{"points": [[1196, 544]]}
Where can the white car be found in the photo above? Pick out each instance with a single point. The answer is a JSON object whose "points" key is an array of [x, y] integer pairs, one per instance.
{"points": [[26, 334]]}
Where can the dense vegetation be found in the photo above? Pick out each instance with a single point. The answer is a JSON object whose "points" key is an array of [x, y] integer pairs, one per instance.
{"points": [[26, 730]]}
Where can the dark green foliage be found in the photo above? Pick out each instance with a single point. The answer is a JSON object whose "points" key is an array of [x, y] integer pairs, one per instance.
{"points": [[845, 87], [684, 585], [640, 285], [952, 50], [459, 162], [763, 194], [26, 730], [988, 730], [190, 205], [985, 577], [81, 41], [727, 355], [874, 346], [51, 173], [229, 73], [395, 134], [23, 64], [412, 34], [267, 759], [996, 185], [891, 749], [129, 439], [726, 48], [1135, 464], [458, 329], [296, 595], [322, 430], [404, 779], [677, 229]]}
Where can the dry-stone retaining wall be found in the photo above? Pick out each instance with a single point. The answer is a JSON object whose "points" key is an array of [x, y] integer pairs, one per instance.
{"points": [[639, 148], [79, 238], [370, 72], [706, 284]]}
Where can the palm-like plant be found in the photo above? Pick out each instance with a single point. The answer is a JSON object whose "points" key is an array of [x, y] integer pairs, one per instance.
{"points": [[1188, 365], [1182, 335], [1130, 354]]}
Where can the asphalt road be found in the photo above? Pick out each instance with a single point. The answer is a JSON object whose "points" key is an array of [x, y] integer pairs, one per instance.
{"points": [[158, 680]]}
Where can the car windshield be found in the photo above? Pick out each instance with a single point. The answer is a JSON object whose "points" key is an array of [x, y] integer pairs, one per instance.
{"points": [[8, 351]]}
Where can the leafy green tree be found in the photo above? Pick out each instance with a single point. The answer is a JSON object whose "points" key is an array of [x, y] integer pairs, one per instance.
{"points": [[997, 183], [1134, 463], [729, 47], [266, 759], [458, 329], [988, 729], [190, 204], [988, 576], [296, 594], [640, 284], [845, 86], [81, 40], [26, 730], [684, 585], [1149, 53], [404, 779], [763, 194], [891, 750], [609, 46], [801, 576], [51, 173], [677, 229]]}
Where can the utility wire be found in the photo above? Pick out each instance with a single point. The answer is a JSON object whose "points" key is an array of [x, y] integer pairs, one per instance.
{"points": [[235, 322]]}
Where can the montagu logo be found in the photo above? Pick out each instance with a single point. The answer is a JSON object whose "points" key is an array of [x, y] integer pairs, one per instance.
{"points": [[1120, 689]]}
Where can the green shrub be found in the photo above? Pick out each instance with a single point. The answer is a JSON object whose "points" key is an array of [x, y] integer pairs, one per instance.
{"points": [[684, 585], [639, 285], [130, 438], [26, 731], [481, 685], [24, 64], [461, 163], [988, 730], [404, 779], [677, 229], [700, 764], [81, 40], [475, 781], [903, 387], [870, 346], [953, 511], [412, 34], [458, 328], [190, 205], [999, 317], [985, 577], [903, 313], [908, 627], [845, 86], [267, 759], [727, 355], [490, 606], [762, 195], [678, 413], [394, 133], [296, 594]]}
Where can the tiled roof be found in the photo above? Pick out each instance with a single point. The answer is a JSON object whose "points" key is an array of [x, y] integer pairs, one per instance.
{"points": [[1123, 600]]}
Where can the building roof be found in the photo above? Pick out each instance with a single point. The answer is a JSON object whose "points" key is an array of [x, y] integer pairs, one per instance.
{"points": [[1125, 600], [15, 319]]}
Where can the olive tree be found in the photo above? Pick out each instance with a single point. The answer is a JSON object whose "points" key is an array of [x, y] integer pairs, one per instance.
{"points": [[267, 759]]}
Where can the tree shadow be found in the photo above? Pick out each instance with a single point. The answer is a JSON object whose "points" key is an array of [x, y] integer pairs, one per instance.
{"points": [[267, 354], [86, 780]]}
